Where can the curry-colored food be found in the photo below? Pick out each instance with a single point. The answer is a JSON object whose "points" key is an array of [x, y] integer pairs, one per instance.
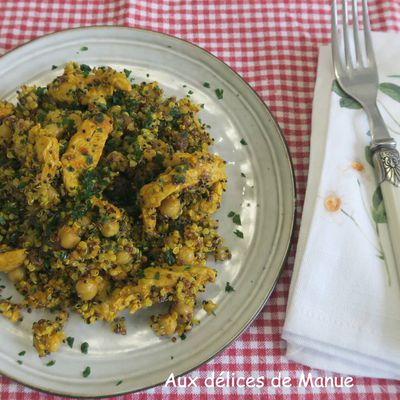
{"points": [[107, 190]]}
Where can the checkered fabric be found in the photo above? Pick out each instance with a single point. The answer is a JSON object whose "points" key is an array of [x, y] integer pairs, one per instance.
{"points": [[274, 45]]}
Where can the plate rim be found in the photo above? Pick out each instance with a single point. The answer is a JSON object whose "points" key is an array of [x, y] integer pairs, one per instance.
{"points": [[293, 187]]}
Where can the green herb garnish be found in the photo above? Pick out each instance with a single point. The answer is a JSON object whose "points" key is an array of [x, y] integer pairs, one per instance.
{"points": [[239, 234], [86, 372], [179, 178], [85, 69], [84, 48], [170, 257], [236, 219], [118, 383], [229, 288], [219, 93], [84, 347], [207, 85], [127, 72], [50, 363], [22, 353], [157, 276], [70, 341], [243, 142], [99, 118]]}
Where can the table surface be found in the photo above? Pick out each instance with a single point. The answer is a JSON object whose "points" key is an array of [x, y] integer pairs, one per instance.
{"points": [[273, 45]]}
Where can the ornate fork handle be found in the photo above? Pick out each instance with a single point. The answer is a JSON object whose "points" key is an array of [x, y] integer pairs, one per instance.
{"points": [[386, 161]]}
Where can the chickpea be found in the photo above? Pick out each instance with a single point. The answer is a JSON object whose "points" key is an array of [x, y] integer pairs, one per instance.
{"points": [[17, 274], [185, 256], [110, 229], [69, 237], [123, 257], [87, 288], [171, 207]]}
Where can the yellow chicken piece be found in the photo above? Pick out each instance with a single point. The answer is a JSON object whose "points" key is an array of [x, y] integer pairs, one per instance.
{"points": [[94, 87], [186, 170], [84, 150], [12, 259], [48, 154], [156, 281]]}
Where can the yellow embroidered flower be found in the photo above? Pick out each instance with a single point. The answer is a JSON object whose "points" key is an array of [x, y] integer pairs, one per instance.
{"points": [[358, 166], [332, 203]]}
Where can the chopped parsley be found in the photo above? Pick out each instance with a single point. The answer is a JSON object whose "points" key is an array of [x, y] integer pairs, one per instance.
{"points": [[219, 93], [85, 69], [179, 178], [40, 91], [84, 347], [190, 92], [235, 217], [229, 288], [182, 168], [86, 372], [89, 159], [50, 363], [175, 112], [243, 142], [54, 67], [170, 257], [84, 48], [206, 85], [183, 336], [19, 362], [243, 175], [159, 158], [127, 72], [157, 276], [22, 353], [70, 341], [239, 234], [99, 118], [118, 383]]}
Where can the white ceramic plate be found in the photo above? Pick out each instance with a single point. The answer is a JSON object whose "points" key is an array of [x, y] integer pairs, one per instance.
{"points": [[265, 199]]}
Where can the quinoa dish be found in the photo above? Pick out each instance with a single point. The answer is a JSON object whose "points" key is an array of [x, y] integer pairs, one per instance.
{"points": [[107, 191]]}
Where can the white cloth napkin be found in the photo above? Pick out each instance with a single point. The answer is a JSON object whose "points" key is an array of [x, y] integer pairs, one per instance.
{"points": [[343, 313]]}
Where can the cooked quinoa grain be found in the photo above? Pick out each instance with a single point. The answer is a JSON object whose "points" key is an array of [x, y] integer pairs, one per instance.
{"points": [[107, 190]]}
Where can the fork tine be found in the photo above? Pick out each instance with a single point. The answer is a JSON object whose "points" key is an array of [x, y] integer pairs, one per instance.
{"points": [[347, 53], [355, 33], [334, 39], [367, 35]]}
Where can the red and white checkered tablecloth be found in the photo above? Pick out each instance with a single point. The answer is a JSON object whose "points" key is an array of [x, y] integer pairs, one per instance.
{"points": [[273, 44]]}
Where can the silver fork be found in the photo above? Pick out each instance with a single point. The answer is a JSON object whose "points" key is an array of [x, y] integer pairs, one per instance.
{"points": [[358, 77]]}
